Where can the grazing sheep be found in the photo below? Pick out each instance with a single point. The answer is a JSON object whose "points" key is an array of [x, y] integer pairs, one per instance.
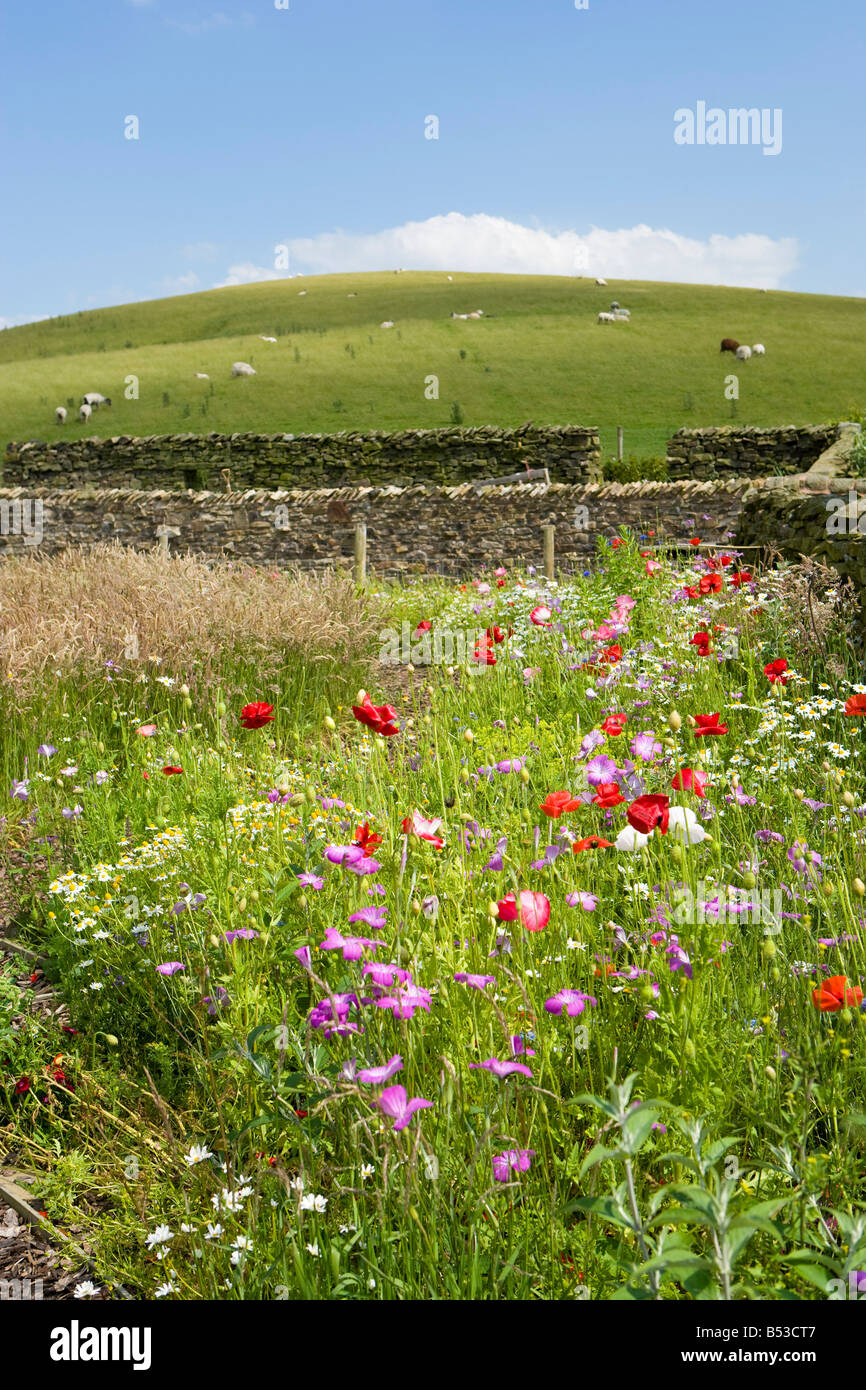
{"points": [[479, 313], [242, 369], [93, 398], [450, 277], [389, 323], [84, 413], [60, 412], [267, 340], [743, 353], [300, 292], [605, 318], [729, 345], [622, 315], [601, 282], [202, 376], [614, 306], [759, 350], [459, 316]]}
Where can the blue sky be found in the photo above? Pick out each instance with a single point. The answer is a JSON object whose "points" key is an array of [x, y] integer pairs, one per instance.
{"points": [[306, 127]]}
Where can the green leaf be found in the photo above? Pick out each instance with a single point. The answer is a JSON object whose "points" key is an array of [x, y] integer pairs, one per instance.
{"points": [[605, 1207], [599, 1154]]}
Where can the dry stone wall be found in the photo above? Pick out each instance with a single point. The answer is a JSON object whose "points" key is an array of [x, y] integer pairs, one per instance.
{"points": [[712, 453], [440, 457], [454, 530]]}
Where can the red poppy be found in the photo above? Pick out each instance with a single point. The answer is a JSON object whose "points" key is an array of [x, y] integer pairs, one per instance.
{"points": [[146, 776], [382, 719], [500, 583], [366, 838], [775, 671], [691, 590], [725, 560], [614, 724], [302, 1115], [701, 640], [613, 654], [833, 994], [483, 653], [855, 704], [557, 804], [710, 583], [541, 616], [591, 842], [695, 540], [172, 771], [708, 724], [648, 812], [256, 715], [617, 542], [741, 577], [424, 626], [495, 634], [607, 795], [22, 1086], [690, 780]]}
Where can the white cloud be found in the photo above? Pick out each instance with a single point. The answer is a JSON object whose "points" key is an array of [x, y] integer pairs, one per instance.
{"points": [[181, 284], [248, 274], [483, 243]]}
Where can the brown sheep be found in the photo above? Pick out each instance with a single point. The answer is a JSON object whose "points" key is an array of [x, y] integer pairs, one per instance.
{"points": [[729, 345]]}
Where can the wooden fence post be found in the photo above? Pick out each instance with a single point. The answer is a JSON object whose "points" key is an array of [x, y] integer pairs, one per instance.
{"points": [[361, 553], [619, 441], [549, 532]]}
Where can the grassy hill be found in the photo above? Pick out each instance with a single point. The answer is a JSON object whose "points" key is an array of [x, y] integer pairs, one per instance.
{"points": [[537, 354]]}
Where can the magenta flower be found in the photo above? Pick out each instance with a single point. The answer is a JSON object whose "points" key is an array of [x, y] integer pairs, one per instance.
{"points": [[600, 769], [376, 1076], [19, 789], [645, 746], [404, 1004], [394, 1104], [588, 901], [500, 1069], [519, 1159], [518, 1047], [344, 854], [303, 955], [170, 967], [385, 975], [573, 1001], [474, 981], [374, 917], [245, 934], [351, 946], [46, 749], [311, 881]]}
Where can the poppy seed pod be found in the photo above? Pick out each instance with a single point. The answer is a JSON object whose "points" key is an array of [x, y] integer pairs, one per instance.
{"points": [[749, 879], [184, 690], [768, 949], [220, 709], [689, 1050], [469, 736], [675, 721], [329, 723], [859, 887], [524, 775], [847, 799], [770, 1072], [799, 793]]}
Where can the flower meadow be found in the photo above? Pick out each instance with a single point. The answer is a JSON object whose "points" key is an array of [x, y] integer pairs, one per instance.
{"points": [[538, 977]]}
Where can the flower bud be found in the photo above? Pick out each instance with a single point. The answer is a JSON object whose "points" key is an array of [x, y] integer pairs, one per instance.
{"points": [[749, 880], [410, 668], [464, 774], [827, 888], [524, 775], [492, 909], [302, 902], [360, 697], [846, 1015], [689, 1050], [859, 887], [847, 799], [111, 1040], [221, 709], [184, 690], [416, 907], [469, 736], [329, 723], [768, 949], [675, 721], [770, 1072]]}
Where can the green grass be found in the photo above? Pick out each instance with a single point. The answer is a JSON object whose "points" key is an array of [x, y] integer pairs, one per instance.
{"points": [[739, 1175], [538, 354]]}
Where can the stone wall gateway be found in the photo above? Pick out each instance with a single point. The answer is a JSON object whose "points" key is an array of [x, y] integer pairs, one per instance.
{"points": [[440, 457], [711, 453], [456, 530]]}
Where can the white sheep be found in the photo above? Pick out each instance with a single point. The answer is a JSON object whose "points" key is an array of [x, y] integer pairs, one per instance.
{"points": [[479, 313], [60, 412], [459, 316], [94, 399], [759, 350], [300, 292], [744, 353], [84, 413], [601, 282], [267, 340], [242, 369], [202, 376], [389, 323], [622, 315], [605, 318]]}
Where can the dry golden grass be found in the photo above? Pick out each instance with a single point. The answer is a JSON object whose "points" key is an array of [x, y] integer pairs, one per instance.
{"points": [[84, 608]]}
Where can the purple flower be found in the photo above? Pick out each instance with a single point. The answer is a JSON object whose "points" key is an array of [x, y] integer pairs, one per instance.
{"points": [[311, 881], [363, 866], [588, 901], [385, 975], [46, 749], [814, 805], [474, 981], [170, 967], [19, 789], [219, 1001], [393, 1103], [330, 803], [100, 778], [518, 1159], [740, 797], [645, 746], [500, 1069], [766, 835], [351, 946], [511, 765], [303, 955], [245, 934], [601, 769], [502, 947], [589, 744], [344, 854], [678, 959], [404, 1004], [374, 917], [376, 1076], [72, 812], [518, 1046], [574, 1001]]}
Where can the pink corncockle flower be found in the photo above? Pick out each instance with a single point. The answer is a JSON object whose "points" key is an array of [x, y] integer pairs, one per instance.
{"points": [[588, 901], [304, 956], [373, 917], [394, 1104], [147, 730], [404, 1004], [377, 1076], [500, 572], [519, 1160], [518, 1047], [385, 976], [529, 674], [242, 933], [311, 881], [573, 1001], [344, 854], [353, 947], [474, 981], [500, 1069], [46, 749], [600, 769], [170, 967], [19, 790], [645, 746]]}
